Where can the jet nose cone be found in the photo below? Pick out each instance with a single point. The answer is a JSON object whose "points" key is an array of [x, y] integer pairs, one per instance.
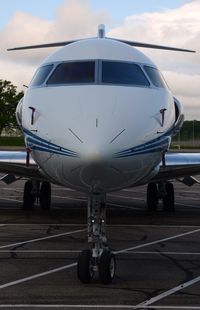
{"points": [[92, 156], [100, 176]]}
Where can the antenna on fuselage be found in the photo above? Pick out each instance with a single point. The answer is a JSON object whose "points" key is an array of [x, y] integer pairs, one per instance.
{"points": [[101, 31]]}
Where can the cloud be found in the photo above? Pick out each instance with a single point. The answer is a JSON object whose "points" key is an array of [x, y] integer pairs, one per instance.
{"points": [[17, 73], [76, 19], [73, 19], [176, 27], [186, 88]]}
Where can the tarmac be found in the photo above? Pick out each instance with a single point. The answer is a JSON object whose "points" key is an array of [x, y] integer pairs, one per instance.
{"points": [[158, 254]]}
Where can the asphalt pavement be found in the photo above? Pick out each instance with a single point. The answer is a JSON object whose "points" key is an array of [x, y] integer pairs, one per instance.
{"points": [[158, 254]]}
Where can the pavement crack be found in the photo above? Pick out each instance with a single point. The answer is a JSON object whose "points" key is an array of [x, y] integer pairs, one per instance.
{"points": [[188, 274], [145, 237], [13, 253]]}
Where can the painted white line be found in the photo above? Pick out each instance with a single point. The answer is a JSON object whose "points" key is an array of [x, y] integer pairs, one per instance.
{"points": [[42, 238], [187, 206], [74, 264], [58, 306], [69, 198], [157, 241], [189, 198], [169, 292], [188, 192], [40, 251], [122, 206], [12, 189], [10, 199], [112, 225], [133, 190], [125, 197], [38, 275], [135, 225], [57, 187], [78, 251], [58, 225], [164, 253]]}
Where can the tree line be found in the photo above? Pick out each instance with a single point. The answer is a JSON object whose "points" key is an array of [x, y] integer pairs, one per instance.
{"points": [[190, 131], [9, 98]]}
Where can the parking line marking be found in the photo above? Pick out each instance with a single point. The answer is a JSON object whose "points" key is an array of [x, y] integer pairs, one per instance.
{"points": [[169, 292], [122, 206], [74, 264], [160, 253], [40, 251], [10, 199], [78, 251], [157, 241], [69, 198], [42, 238], [126, 197], [38, 275], [187, 206], [31, 306]]}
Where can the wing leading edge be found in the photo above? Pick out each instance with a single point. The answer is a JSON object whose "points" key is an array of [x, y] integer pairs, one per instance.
{"points": [[14, 162], [178, 165]]}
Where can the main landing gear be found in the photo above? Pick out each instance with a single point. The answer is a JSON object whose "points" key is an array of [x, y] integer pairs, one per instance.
{"points": [[35, 190], [162, 191], [98, 260]]}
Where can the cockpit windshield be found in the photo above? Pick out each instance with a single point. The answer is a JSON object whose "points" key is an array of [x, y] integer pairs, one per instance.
{"points": [[155, 76], [41, 75], [98, 72], [124, 73], [73, 73]]}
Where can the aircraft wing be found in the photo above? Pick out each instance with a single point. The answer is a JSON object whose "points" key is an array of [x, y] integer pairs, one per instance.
{"points": [[14, 163], [178, 165]]}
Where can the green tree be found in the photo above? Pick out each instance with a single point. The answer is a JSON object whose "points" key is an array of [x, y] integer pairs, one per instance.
{"points": [[9, 98]]}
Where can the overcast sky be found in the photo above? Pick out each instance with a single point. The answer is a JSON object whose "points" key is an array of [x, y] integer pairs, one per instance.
{"points": [[167, 22]]}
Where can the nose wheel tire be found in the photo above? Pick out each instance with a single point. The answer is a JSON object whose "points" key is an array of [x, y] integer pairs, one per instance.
{"points": [[107, 267], [85, 267]]}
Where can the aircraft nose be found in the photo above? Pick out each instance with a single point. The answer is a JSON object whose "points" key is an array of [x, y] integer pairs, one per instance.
{"points": [[99, 176], [96, 168]]}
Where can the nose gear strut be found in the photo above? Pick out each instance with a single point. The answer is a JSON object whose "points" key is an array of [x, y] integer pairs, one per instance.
{"points": [[99, 259]]}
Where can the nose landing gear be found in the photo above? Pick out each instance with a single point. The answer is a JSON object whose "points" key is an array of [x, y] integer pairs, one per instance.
{"points": [[99, 260]]}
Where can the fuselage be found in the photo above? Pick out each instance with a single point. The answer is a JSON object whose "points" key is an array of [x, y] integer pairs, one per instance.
{"points": [[98, 116]]}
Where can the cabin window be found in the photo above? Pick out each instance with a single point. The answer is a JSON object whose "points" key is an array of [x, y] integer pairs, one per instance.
{"points": [[41, 75], [73, 73], [123, 73], [155, 76]]}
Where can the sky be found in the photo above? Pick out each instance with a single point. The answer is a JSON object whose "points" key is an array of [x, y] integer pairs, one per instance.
{"points": [[164, 22], [47, 8]]}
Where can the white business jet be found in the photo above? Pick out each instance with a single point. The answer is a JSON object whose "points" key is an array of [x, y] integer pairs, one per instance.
{"points": [[98, 117]]}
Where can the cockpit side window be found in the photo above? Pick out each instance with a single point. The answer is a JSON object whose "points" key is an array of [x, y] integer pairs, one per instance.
{"points": [[155, 76], [41, 75], [123, 73], [73, 73]]}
